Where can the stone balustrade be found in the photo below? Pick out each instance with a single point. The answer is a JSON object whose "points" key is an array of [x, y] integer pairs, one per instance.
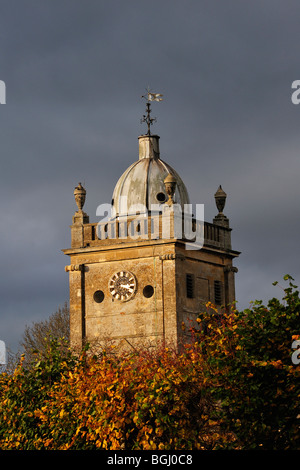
{"points": [[156, 227]]}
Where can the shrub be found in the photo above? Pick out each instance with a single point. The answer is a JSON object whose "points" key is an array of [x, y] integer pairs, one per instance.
{"points": [[234, 388], [137, 400], [247, 361]]}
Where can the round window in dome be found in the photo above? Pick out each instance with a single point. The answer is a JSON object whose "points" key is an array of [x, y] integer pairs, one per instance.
{"points": [[161, 197]]}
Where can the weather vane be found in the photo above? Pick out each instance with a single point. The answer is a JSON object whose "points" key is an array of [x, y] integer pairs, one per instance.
{"points": [[149, 96]]}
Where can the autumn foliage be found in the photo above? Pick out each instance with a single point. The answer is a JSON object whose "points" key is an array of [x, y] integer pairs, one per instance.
{"points": [[132, 401], [246, 359], [234, 388]]}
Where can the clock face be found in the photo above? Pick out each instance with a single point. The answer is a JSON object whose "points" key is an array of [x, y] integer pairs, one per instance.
{"points": [[122, 285]]}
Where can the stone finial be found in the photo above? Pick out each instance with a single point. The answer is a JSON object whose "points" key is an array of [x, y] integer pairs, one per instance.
{"points": [[170, 185], [79, 194], [220, 198], [80, 216]]}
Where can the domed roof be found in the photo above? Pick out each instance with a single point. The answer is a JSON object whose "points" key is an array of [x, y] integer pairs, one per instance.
{"points": [[143, 182]]}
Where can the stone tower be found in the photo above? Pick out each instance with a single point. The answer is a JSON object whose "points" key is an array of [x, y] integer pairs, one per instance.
{"points": [[137, 277]]}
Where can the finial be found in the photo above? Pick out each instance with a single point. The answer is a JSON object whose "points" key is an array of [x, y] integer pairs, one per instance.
{"points": [[220, 198], [146, 117], [170, 185], [79, 194], [80, 217]]}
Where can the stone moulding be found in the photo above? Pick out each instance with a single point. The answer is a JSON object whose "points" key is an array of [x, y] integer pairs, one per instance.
{"points": [[167, 256], [231, 269], [74, 267], [171, 256]]}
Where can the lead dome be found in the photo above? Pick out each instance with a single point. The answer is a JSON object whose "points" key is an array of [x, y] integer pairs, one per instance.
{"points": [[143, 181]]}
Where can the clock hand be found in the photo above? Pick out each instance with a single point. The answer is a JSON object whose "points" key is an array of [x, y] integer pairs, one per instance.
{"points": [[126, 286]]}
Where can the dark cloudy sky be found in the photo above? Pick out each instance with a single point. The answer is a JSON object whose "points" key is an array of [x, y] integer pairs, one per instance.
{"points": [[75, 72]]}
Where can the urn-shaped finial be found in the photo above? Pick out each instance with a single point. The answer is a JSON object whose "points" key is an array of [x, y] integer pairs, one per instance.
{"points": [[79, 194], [170, 185], [220, 198]]}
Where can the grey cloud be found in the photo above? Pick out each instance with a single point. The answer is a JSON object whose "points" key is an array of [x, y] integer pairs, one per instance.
{"points": [[75, 72]]}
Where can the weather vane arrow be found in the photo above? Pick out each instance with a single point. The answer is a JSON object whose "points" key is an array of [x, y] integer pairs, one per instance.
{"points": [[150, 96], [154, 96]]}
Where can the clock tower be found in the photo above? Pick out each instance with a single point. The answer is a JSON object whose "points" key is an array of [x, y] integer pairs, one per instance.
{"points": [[139, 278]]}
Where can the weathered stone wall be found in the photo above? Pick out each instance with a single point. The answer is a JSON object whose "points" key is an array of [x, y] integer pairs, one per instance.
{"points": [[161, 263]]}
